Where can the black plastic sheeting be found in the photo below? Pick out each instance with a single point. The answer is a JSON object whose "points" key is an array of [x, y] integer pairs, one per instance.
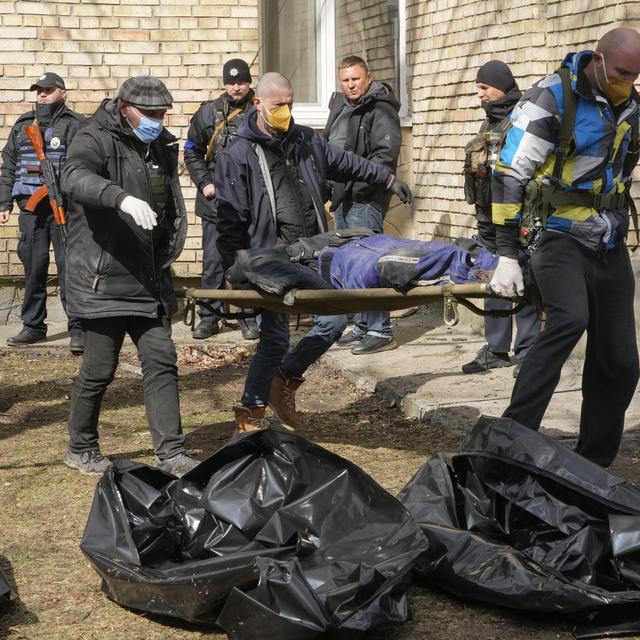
{"points": [[524, 522], [5, 591], [271, 536]]}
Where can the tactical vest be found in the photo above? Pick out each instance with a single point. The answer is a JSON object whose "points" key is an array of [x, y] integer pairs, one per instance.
{"points": [[27, 175], [226, 128], [481, 154]]}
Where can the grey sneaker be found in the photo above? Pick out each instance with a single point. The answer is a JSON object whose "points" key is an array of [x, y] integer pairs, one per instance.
{"points": [[91, 461], [350, 339], [177, 465]]}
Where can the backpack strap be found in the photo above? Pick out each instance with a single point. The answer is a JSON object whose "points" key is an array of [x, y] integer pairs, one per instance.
{"points": [[566, 125]]}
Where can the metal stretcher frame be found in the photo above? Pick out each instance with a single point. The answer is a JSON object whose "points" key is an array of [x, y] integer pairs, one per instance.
{"points": [[343, 301]]}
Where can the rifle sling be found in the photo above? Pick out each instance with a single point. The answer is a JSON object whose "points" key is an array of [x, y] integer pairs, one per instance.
{"points": [[216, 131]]}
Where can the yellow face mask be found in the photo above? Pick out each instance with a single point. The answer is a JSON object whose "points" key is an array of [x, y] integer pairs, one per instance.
{"points": [[618, 91], [278, 118]]}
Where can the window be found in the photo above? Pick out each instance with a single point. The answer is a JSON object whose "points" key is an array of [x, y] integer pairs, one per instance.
{"points": [[305, 40]]}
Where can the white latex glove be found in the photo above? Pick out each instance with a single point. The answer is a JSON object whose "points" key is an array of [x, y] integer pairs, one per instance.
{"points": [[142, 214], [507, 280]]}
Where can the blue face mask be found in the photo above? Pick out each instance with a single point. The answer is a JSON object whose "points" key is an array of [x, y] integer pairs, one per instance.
{"points": [[148, 129]]}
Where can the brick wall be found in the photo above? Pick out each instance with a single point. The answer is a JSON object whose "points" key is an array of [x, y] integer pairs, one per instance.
{"points": [[447, 41], [96, 44]]}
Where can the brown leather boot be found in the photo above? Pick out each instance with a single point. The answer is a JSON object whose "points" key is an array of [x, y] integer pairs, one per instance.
{"points": [[248, 419], [282, 400]]}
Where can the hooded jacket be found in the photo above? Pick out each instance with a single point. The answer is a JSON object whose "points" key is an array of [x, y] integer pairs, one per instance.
{"points": [[373, 133], [204, 122], [595, 164], [114, 266], [244, 189]]}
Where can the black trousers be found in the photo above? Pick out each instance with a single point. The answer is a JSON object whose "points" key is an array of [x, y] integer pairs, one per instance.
{"points": [[582, 291], [37, 232], [103, 341], [212, 271]]}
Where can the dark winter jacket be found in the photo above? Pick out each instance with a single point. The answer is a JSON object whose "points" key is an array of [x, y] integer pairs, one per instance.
{"points": [[246, 207], [204, 122], [17, 182], [114, 266], [373, 133]]}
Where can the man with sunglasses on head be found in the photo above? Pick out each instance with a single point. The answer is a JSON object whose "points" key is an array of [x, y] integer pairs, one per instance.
{"points": [[127, 224], [20, 178]]}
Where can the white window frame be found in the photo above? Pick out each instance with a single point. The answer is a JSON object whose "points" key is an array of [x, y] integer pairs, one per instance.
{"points": [[315, 114]]}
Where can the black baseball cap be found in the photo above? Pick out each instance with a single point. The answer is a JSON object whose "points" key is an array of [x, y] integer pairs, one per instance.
{"points": [[48, 80]]}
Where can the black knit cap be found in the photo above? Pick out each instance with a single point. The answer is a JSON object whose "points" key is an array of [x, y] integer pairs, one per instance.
{"points": [[146, 92], [47, 81], [497, 74], [235, 70]]}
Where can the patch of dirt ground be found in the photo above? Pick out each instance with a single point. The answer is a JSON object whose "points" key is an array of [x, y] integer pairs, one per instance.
{"points": [[44, 505]]}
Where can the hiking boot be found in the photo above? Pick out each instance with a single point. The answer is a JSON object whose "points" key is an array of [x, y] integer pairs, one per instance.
{"points": [[349, 338], [249, 419], [282, 400], [485, 360], [249, 328], [91, 461], [177, 465], [205, 329], [76, 344], [27, 336], [374, 344]]}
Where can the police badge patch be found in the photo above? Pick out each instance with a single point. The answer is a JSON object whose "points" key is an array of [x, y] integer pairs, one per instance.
{"points": [[55, 143]]}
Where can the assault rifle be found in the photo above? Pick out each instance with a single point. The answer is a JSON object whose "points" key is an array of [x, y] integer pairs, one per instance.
{"points": [[49, 188]]}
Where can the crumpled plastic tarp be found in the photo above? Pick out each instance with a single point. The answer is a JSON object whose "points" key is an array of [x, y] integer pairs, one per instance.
{"points": [[272, 536], [5, 591], [522, 521]]}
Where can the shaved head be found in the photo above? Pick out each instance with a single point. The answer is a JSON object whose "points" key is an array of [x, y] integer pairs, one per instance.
{"points": [[621, 38], [271, 83]]}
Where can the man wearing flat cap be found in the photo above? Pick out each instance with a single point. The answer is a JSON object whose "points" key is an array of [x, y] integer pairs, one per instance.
{"points": [[20, 178], [211, 128], [127, 224]]}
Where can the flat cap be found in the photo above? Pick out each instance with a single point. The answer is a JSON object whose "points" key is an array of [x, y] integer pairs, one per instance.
{"points": [[48, 80], [146, 92]]}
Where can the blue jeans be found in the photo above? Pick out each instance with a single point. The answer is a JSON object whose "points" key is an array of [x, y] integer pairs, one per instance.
{"points": [[273, 352], [353, 215]]}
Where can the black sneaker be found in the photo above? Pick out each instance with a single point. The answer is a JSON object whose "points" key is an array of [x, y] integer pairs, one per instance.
{"points": [[374, 344], [27, 336], [205, 329], [76, 344], [485, 360], [91, 461], [349, 338], [249, 328], [177, 465]]}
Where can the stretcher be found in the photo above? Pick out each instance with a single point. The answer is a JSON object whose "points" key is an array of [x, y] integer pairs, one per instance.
{"points": [[342, 301]]}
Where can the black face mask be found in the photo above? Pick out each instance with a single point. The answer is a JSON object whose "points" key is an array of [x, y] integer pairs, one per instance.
{"points": [[45, 113]]}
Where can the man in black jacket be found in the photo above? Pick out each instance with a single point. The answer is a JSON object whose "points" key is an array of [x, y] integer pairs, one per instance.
{"points": [[498, 93], [127, 224], [212, 127], [364, 119], [271, 188], [21, 176]]}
